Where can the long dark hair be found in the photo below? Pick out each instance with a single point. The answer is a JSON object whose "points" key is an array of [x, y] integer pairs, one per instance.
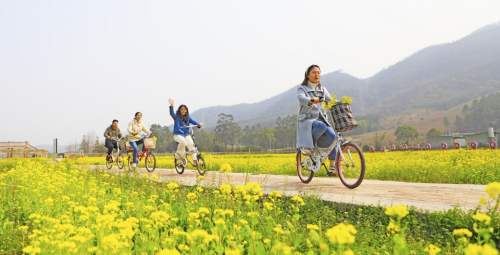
{"points": [[304, 82], [185, 117]]}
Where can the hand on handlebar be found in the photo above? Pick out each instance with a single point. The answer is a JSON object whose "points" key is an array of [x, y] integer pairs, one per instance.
{"points": [[315, 100], [200, 125]]}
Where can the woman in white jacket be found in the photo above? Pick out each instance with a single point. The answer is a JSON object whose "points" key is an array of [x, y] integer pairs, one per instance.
{"points": [[134, 129]]}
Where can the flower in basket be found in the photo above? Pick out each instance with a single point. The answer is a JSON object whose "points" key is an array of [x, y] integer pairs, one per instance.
{"points": [[335, 101], [154, 138]]}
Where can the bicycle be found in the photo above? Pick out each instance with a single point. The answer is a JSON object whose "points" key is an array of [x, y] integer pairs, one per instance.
{"points": [[351, 170], [182, 163], [150, 160], [119, 157]]}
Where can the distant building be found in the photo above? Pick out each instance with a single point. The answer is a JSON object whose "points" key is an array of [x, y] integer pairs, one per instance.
{"points": [[482, 139]]}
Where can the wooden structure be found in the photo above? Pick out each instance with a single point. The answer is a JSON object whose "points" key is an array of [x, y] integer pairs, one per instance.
{"points": [[21, 150]]}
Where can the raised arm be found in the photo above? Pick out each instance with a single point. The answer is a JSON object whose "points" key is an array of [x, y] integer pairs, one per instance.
{"points": [[172, 113]]}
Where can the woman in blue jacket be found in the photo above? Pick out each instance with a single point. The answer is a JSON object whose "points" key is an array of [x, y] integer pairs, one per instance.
{"points": [[181, 135]]}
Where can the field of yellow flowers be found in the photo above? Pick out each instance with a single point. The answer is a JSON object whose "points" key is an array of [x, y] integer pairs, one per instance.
{"points": [[437, 166], [59, 208]]}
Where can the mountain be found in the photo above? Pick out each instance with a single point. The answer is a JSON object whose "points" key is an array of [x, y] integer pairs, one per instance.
{"points": [[266, 112], [442, 76], [438, 77]]}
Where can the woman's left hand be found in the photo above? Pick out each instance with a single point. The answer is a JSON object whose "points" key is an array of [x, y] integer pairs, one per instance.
{"points": [[200, 125]]}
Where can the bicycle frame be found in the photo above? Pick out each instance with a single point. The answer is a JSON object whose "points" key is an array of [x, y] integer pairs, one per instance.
{"points": [[140, 154], [117, 150], [335, 144], [191, 133]]}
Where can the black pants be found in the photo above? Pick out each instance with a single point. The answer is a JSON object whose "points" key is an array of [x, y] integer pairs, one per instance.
{"points": [[111, 145]]}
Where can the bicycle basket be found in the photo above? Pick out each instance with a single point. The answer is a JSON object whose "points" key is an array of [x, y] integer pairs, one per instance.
{"points": [[342, 116], [150, 143]]}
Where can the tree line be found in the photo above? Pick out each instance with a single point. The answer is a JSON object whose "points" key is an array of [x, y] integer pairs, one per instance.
{"points": [[227, 136]]}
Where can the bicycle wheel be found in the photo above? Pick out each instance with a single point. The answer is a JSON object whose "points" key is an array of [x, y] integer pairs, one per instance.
{"points": [[352, 171], [304, 175], [108, 163], [178, 166], [150, 162], [120, 161], [202, 167]]}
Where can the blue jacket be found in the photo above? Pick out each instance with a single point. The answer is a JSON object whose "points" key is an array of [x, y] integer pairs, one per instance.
{"points": [[179, 123]]}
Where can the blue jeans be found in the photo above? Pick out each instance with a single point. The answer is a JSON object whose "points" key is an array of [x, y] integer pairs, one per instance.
{"points": [[323, 136], [134, 147]]}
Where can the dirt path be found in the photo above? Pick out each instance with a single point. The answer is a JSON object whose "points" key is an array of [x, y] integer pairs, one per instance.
{"points": [[426, 196]]}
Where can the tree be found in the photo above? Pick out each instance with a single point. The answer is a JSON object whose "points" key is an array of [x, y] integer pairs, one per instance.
{"points": [[227, 131], [446, 123], [459, 123], [164, 138], [285, 131], [378, 140], [405, 133], [433, 134], [465, 109]]}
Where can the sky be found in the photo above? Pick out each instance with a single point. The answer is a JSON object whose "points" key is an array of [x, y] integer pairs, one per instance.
{"points": [[68, 68]]}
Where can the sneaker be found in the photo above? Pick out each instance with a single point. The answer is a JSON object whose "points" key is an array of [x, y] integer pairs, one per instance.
{"points": [[332, 171], [134, 165], [195, 163], [107, 158]]}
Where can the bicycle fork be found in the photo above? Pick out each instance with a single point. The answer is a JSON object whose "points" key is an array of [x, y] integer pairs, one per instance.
{"points": [[342, 156]]}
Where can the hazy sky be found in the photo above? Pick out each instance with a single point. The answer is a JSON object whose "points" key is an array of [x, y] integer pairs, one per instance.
{"points": [[70, 67]]}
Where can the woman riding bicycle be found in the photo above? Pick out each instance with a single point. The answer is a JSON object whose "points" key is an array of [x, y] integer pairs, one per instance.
{"points": [[134, 129], [313, 129], [181, 135]]}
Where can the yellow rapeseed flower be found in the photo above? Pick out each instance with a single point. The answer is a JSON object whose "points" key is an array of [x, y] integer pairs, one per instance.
{"points": [[476, 249], [341, 234], [481, 217], [462, 232], [169, 252], [432, 249], [298, 200], [493, 189], [312, 226]]}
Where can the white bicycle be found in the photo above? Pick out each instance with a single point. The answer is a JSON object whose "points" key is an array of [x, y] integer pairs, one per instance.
{"points": [[182, 163]]}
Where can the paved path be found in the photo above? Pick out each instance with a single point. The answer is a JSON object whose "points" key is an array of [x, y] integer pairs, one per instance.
{"points": [[426, 196]]}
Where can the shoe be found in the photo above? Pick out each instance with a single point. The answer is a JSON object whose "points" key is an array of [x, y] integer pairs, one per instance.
{"points": [[332, 171], [134, 165], [195, 163], [107, 158]]}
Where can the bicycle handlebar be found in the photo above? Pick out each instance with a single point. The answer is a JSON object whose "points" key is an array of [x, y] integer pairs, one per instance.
{"points": [[114, 139], [189, 126]]}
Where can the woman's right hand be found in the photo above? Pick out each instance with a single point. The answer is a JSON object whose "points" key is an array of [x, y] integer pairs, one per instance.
{"points": [[315, 100], [171, 102]]}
